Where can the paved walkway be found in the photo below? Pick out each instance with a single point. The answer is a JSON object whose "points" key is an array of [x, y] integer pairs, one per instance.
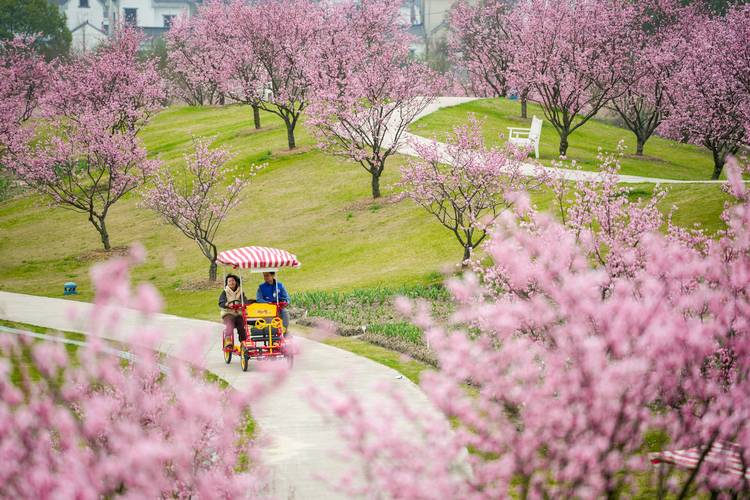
{"points": [[527, 168], [300, 446]]}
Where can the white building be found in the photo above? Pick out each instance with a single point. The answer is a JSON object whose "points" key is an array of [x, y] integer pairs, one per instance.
{"points": [[89, 20], [429, 22]]}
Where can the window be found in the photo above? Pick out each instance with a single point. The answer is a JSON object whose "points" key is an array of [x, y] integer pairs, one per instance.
{"points": [[84, 4], [131, 17], [168, 20]]}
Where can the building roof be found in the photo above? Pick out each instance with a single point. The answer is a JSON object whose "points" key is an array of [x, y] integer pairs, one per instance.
{"points": [[86, 22]]}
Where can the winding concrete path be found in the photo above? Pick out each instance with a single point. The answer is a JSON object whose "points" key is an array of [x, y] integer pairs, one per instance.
{"points": [[299, 446], [527, 168]]}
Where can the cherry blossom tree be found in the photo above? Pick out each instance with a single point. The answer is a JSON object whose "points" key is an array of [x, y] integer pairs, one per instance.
{"points": [[649, 65], [86, 154], [572, 387], [365, 90], [197, 201], [85, 169], [569, 53], [481, 42], [606, 222], [465, 185], [23, 78], [709, 94], [195, 66], [736, 32], [93, 428], [244, 79], [707, 99], [284, 33]]}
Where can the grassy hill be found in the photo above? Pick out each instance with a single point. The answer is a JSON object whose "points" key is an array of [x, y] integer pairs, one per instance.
{"points": [[307, 202], [662, 158]]}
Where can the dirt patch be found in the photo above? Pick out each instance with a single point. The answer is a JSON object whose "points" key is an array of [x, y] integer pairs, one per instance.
{"points": [[653, 159], [370, 204], [198, 285], [296, 151], [251, 130], [101, 254]]}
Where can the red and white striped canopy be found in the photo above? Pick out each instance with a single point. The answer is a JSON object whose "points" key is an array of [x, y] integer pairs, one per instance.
{"points": [[723, 456], [257, 258]]}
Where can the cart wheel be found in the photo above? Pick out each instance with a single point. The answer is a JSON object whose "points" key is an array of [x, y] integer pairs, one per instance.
{"points": [[228, 355], [243, 359]]}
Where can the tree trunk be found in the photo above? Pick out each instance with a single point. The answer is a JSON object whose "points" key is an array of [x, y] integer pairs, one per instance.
{"points": [[101, 227], [563, 142], [467, 253], [719, 160], [256, 116], [290, 134], [375, 185], [212, 271], [639, 146], [524, 102]]}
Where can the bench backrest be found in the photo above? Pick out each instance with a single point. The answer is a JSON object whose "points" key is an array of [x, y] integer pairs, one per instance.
{"points": [[536, 128]]}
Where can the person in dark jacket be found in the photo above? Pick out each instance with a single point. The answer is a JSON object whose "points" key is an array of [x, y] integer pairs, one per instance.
{"points": [[232, 318], [272, 291]]}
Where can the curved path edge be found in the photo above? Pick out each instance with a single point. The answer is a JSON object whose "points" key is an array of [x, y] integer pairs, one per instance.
{"points": [[298, 445]]}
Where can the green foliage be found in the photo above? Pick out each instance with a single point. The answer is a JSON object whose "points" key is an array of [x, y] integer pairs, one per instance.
{"points": [[370, 313], [372, 307], [36, 17]]}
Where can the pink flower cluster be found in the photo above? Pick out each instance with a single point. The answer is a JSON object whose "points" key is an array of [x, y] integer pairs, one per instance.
{"points": [[569, 363], [197, 203], [466, 185], [89, 426], [83, 152], [710, 90], [482, 42], [365, 87], [23, 79]]}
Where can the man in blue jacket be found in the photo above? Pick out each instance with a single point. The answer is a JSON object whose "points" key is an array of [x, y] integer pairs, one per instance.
{"points": [[272, 291]]}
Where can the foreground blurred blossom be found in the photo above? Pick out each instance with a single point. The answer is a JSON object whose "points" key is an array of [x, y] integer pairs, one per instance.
{"points": [[590, 343], [97, 429]]}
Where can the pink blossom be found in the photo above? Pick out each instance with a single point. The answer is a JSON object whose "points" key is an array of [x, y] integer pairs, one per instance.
{"points": [[152, 428], [709, 93], [193, 203], [365, 89], [85, 154], [583, 337], [464, 185]]}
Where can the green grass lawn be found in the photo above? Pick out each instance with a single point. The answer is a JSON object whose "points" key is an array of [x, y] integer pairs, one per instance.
{"points": [[662, 158], [310, 203], [307, 202]]}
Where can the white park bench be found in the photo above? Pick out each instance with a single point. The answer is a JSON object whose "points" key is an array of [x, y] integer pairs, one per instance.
{"points": [[526, 137]]}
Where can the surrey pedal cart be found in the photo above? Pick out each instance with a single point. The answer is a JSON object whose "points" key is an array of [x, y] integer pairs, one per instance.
{"points": [[266, 336]]}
